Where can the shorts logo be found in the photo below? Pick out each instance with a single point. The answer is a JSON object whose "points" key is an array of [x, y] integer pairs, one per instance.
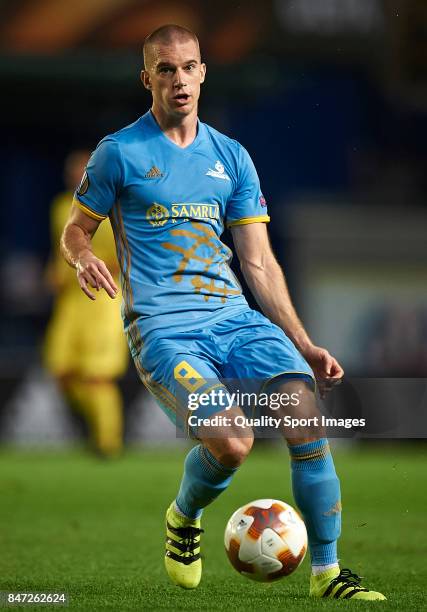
{"points": [[336, 509], [84, 184], [157, 214], [262, 200], [218, 172]]}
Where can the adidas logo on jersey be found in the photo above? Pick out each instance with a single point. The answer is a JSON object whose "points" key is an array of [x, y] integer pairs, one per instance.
{"points": [[154, 172]]}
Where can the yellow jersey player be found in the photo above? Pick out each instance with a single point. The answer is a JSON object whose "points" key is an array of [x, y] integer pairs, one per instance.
{"points": [[85, 348]]}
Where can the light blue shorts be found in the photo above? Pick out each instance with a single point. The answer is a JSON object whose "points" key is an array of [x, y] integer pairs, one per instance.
{"points": [[245, 351]]}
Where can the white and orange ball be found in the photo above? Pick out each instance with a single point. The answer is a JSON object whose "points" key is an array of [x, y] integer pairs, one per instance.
{"points": [[265, 540]]}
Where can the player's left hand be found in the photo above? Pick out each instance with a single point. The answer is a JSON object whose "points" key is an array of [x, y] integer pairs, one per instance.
{"points": [[326, 368]]}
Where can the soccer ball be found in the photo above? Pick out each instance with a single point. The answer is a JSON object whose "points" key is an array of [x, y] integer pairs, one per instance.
{"points": [[265, 540]]}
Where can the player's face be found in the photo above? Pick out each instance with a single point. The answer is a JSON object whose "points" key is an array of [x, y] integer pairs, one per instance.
{"points": [[174, 78]]}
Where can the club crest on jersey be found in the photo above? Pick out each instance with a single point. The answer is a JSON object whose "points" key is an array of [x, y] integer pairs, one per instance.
{"points": [[157, 214], [219, 171]]}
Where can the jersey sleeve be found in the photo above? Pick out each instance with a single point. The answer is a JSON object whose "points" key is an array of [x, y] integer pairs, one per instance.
{"points": [[101, 182], [247, 204]]}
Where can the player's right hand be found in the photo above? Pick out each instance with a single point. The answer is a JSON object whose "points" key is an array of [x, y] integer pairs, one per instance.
{"points": [[93, 272]]}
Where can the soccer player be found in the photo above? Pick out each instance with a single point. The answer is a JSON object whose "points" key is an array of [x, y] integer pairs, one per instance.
{"points": [[169, 184], [84, 346]]}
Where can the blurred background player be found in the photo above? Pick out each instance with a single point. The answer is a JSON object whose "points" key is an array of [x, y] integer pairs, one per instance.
{"points": [[85, 348]]}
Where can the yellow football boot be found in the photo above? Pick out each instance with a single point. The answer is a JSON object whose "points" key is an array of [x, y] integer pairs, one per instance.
{"points": [[341, 584], [182, 557]]}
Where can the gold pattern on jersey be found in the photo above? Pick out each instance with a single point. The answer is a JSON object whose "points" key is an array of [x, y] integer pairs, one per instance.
{"points": [[203, 235]]}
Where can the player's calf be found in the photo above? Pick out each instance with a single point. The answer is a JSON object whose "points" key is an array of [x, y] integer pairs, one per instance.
{"points": [[316, 491], [204, 479], [208, 470], [315, 484]]}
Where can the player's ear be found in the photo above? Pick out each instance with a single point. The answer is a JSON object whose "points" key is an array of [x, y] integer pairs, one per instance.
{"points": [[145, 79], [202, 73]]}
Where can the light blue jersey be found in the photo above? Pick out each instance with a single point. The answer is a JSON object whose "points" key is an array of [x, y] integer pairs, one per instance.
{"points": [[168, 207]]}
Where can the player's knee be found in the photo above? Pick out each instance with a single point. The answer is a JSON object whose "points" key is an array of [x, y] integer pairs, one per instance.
{"points": [[232, 452], [303, 421]]}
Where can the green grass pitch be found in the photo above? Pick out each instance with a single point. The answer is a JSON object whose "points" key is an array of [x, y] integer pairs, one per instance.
{"points": [[69, 522]]}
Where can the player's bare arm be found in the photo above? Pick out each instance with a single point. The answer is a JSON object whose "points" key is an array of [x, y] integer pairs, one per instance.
{"points": [[267, 283], [76, 248]]}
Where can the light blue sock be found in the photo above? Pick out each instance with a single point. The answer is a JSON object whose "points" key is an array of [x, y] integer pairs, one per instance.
{"points": [[203, 480], [317, 493]]}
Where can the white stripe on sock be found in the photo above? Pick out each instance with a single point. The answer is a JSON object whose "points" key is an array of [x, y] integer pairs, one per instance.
{"points": [[319, 569]]}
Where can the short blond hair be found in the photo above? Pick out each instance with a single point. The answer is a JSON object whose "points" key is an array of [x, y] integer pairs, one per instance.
{"points": [[165, 35]]}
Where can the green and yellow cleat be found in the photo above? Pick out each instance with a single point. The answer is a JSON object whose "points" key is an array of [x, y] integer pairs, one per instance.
{"points": [[182, 558], [341, 584]]}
